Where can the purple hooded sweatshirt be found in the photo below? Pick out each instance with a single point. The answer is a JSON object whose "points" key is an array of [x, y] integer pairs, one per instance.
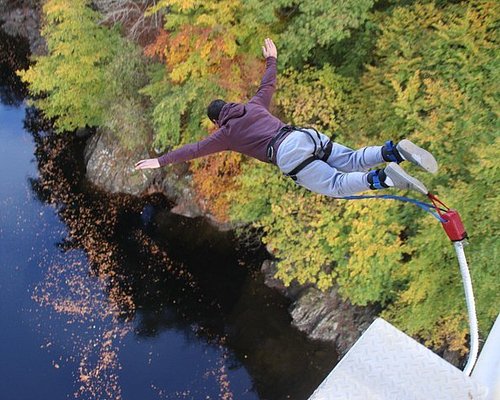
{"points": [[245, 128]]}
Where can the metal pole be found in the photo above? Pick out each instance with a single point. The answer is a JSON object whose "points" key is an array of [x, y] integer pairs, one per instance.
{"points": [[487, 368], [471, 306]]}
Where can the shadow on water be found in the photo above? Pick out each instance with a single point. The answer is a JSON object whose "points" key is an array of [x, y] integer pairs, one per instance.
{"points": [[162, 272], [13, 55]]}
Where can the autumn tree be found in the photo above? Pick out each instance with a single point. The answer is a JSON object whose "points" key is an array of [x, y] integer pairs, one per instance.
{"points": [[71, 80], [210, 50], [434, 83], [88, 67], [209, 53]]}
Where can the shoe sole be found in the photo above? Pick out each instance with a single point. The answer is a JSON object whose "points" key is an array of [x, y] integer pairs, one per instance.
{"points": [[402, 180], [417, 156]]}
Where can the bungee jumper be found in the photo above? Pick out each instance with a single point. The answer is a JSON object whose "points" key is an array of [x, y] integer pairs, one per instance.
{"points": [[309, 157], [313, 161]]}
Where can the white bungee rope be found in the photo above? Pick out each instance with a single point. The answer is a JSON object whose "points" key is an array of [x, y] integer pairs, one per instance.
{"points": [[471, 306], [454, 228]]}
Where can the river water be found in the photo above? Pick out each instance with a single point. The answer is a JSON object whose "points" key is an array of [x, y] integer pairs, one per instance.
{"points": [[114, 297]]}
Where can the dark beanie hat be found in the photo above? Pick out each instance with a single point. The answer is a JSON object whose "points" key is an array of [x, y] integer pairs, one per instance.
{"points": [[214, 108]]}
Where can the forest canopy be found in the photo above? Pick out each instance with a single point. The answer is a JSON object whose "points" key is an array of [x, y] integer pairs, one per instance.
{"points": [[361, 71]]}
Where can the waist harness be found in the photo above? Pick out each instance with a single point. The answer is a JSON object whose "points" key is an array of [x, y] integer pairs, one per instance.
{"points": [[321, 152]]}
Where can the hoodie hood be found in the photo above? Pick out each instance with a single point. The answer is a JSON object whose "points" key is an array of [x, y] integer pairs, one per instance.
{"points": [[230, 111]]}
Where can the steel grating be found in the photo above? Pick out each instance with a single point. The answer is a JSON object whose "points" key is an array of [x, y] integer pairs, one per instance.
{"points": [[386, 364]]}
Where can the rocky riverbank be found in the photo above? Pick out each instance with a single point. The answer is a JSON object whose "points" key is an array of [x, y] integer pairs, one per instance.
{"points": [[322, 315], [111, 167], [22, 18]]}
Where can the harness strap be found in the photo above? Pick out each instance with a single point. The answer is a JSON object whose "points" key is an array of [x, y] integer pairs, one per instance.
{"points": [[328, 150], [270, 147], [376, 179], [322, 153], [326, 153], [293, 173]]}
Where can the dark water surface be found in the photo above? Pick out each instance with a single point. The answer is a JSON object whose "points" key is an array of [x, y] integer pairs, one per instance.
{"points": [[114, 297]]}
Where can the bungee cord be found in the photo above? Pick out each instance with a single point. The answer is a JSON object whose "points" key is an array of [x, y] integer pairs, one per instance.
{"points": [[453, 226], [424, 206]]}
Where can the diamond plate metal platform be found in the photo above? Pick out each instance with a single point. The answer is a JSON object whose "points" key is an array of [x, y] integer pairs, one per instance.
{"points": [[386, 364]]}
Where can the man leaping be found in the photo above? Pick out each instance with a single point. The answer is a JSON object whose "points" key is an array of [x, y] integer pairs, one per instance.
{"points": [[304, 154]]}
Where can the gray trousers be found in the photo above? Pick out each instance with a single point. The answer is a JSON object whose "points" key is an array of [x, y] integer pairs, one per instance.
{"points": [[341, 175]]}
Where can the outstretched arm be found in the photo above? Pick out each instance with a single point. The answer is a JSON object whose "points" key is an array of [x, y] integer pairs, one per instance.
{"points": [[268, 83], [212, 144]]}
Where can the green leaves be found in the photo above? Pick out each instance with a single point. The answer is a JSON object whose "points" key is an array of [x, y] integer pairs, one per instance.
{"points": [[72, 75], [315, 97], [319, 23], [177, 108], [426, 85]]}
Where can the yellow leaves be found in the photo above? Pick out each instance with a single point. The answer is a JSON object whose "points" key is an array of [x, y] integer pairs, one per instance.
{"points": [[28, 76], [297, 228], [310, 232], [222, 14], [451, 332], [373, 236], [230, 47], [406, 104], [414, 294], [325, 281], [205, 49], [444, 94], [177, 5], [314, 97], [201, 13], [185, 5], [58, 7], [198, 53]]}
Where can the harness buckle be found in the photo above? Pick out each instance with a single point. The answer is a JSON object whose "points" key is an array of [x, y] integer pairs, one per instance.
{"points": [[320, 153], [270, 153]]}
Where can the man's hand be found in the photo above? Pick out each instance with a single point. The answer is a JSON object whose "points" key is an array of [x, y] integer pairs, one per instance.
{"points": [[147, 164], [269, 49]]}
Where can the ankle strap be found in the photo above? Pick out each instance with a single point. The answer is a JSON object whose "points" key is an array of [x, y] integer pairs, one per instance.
{"points": [[376, 179], [391, 153]]}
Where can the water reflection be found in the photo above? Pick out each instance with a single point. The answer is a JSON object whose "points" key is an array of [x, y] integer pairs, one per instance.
{"points": [[13, 54], [128, 272], [162, 271]]}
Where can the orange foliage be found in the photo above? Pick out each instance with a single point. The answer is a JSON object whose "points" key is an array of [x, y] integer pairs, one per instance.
{"points": [[206, 53], [240, 76], [157, 48], [214, 176]]}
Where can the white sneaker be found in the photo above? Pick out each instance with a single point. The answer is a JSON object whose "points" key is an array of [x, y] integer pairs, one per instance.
{"points": [[417, 155], [403, 180]]}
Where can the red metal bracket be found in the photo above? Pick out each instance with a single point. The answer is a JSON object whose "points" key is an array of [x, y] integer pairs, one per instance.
{"points": [[453, 226], [452, 223]]}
